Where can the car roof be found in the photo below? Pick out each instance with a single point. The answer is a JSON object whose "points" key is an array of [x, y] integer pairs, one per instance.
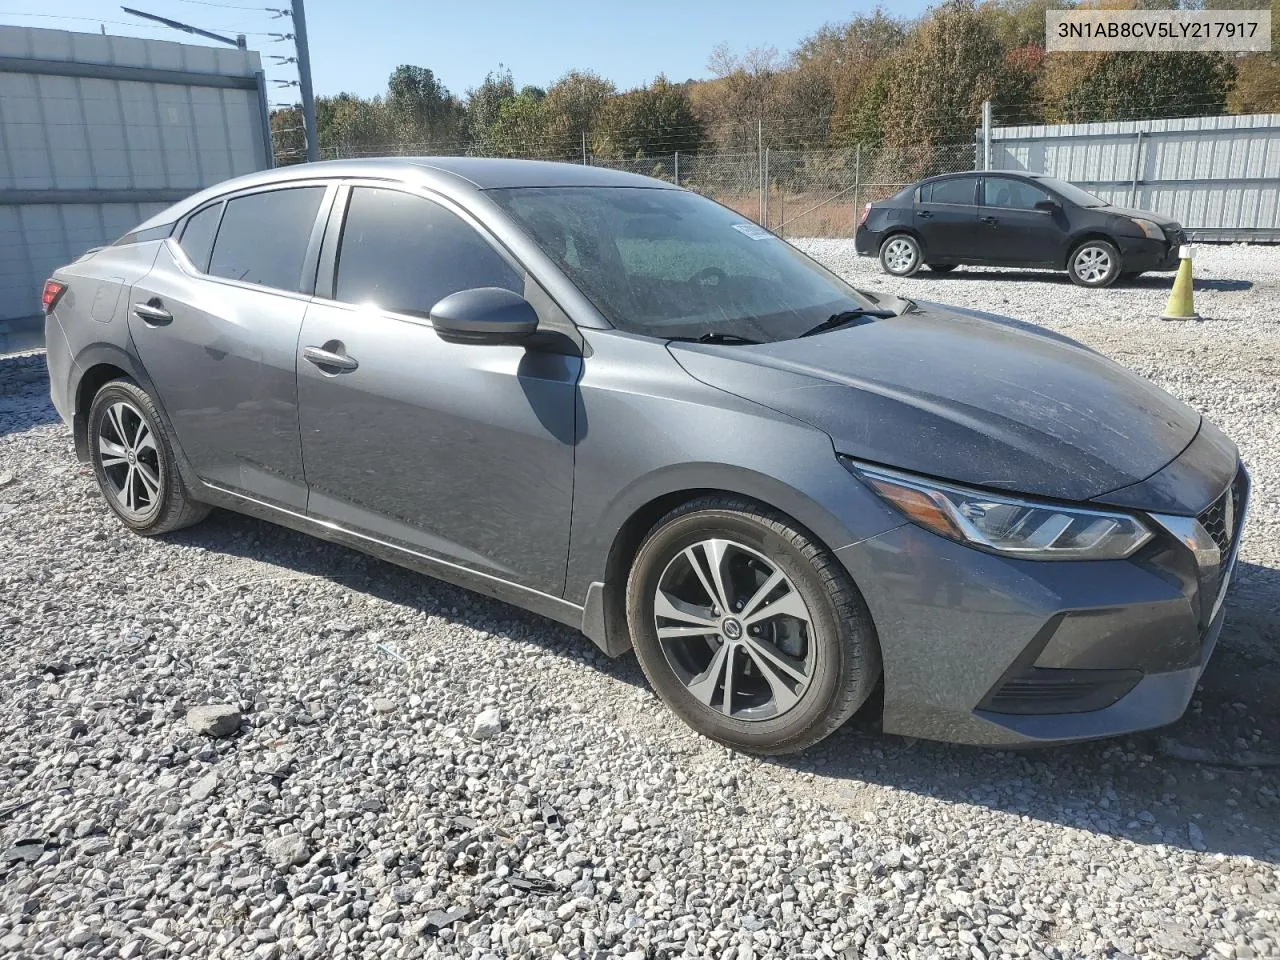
{"points": [[450, 175]]}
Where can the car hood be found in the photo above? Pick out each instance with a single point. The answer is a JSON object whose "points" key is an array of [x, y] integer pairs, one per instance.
{"points": [[1159, 219], [963, 396]]}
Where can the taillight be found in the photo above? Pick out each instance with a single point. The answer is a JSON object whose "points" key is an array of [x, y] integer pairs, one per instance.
{"points": [[53, 291], [866, 212]]}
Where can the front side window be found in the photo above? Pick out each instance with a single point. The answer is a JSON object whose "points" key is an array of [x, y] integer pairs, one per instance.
{"points": [[197, 236], [1011, 194], [404, 253], [263, 237], [960, 190], [669, 263]]}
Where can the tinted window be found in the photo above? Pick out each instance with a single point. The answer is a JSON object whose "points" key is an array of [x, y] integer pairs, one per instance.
{"points": [[1081, 198], [1012, 194], [949, 191], [197, 236], [263, 237], [668, 263], [405, 253]]}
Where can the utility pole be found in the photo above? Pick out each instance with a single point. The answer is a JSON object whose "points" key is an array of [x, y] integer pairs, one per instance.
{"points": [[304, 80]]}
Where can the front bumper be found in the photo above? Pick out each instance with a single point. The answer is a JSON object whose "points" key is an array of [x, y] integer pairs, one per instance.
{"points": [[1146, 254], [984, 649]]}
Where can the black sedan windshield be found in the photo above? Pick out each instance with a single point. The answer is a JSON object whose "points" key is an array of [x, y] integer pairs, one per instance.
{"points": [[1081, 198], [668, 263]]}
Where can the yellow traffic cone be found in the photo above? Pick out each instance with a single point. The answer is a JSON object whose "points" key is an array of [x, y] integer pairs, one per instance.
{"points": [[1181, 305]]}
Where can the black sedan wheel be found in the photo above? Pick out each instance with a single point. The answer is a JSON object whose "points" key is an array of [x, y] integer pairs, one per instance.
{"points": [[134, 462], [748, 629], [1095, 263], [900, 255]]}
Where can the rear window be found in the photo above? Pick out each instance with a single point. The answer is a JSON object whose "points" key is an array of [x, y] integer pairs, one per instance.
{"points": [[263, 237], [950, 191], [197, 236]]}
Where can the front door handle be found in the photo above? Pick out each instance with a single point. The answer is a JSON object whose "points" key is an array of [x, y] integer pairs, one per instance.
{"points": [[327, 358], [152, 312], [990, 219], [925, 214]]}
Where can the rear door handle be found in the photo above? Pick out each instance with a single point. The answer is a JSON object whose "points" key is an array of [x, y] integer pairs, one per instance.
{"points": [[990, 219], [152, 313], [326, 358]]}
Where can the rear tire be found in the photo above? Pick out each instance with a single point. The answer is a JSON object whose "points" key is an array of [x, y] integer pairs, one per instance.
{"points": [[794, 675], [1094, 263], [134, 462], [900, 255]]}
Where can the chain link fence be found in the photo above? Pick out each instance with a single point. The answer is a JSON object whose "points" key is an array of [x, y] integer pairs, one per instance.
{"points": [[793, 192]]}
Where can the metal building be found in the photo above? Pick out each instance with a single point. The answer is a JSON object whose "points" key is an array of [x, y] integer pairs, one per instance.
{"points": [[99, 132], [1218, 176]]}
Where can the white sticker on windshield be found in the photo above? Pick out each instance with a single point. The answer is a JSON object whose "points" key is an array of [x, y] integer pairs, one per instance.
{"points": [[753, 230]]}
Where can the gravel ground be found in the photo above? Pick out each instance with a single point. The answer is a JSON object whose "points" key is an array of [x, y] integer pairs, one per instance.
{"points": [[401, 769]]}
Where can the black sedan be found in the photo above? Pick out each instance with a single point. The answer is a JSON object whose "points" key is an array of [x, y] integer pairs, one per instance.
{"points": [[1015, 220]]}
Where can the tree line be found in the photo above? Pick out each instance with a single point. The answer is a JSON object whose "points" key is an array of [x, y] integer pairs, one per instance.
{"points": [[875, 80]]}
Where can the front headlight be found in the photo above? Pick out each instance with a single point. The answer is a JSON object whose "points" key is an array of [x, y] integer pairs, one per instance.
{"points": [[1006, 524], [1152, 230]]}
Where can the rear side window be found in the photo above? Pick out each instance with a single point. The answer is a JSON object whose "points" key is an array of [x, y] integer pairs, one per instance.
{"points": [[405, 253], [197, 236], [1011, 194], [950, 191], [263, 237]]}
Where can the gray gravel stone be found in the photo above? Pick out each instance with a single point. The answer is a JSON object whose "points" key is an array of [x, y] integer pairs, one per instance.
{"points": [[487, 724], [214, 720], [291, 850]]}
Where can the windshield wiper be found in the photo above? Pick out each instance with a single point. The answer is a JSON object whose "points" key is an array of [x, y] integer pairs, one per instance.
{"points": [[845, 317], [712, 336]]}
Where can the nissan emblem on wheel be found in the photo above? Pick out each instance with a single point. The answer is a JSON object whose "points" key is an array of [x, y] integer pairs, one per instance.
{"points": [[618, 404]]}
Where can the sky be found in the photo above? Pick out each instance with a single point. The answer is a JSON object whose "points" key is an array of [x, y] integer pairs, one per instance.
{"points": [[355, 44]]}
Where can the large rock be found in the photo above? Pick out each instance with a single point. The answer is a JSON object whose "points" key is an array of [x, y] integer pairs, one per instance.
{"points": [[291, 850], [488, 724], [214, 719]]}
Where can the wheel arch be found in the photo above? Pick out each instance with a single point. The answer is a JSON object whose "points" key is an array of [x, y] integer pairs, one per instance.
{"points": [[1075, 241], [99, 365], [605, 616]]}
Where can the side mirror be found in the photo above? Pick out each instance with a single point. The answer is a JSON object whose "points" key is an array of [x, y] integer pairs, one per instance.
{"points": [[1048, 206], [484, 315]]}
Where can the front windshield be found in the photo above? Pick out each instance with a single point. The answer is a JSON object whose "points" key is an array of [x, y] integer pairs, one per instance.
{"points": [[1081, 198], [669, 263]]}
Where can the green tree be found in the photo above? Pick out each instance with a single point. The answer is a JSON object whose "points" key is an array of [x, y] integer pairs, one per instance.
{"points": [[484, 104], [419, 107], [1142, 86], [950, 64], [574, 105], [651, 120]]}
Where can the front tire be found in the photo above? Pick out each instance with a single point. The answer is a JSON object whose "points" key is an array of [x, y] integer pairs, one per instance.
{"points": [[900, 255], [1095, 263], [134, 462], [748, 629]]}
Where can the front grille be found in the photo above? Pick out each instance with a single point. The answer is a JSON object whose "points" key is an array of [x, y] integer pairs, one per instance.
{"points": [[1176, 237], [1222, 517]]}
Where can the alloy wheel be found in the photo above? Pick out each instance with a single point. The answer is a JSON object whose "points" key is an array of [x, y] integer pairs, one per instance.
{"points": [[1092, 264], [735, 630], [130, 460], [899, 255]]}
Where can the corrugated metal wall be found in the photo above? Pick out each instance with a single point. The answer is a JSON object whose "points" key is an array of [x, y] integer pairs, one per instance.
{"points": [[99, 132], [1218, 176]]}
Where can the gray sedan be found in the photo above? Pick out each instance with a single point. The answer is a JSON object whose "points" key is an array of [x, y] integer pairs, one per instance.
{"points": [[622, 406]]}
